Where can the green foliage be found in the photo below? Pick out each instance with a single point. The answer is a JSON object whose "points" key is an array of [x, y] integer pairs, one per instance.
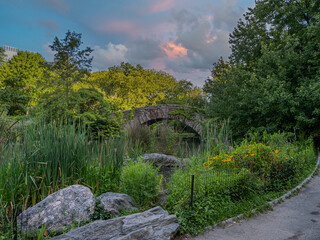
{"points": [[215, 195], [274, 69], [140, 136], [41, 233], [2, 55], [19, 80], [184, 93], [100, 213], [86, 106], [6, 126], [90, 108], [141, 181], [159, 137], [71, 65], [267, 22], [49, 157], [126, 87], [216, 136], [183, 112], [237, 179]]}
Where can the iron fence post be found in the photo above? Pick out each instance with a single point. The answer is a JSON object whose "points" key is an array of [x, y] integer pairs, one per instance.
{"points": [[192, 186]]}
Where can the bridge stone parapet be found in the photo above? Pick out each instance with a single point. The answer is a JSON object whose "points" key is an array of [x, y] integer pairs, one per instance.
{"points": [[160, 112]]}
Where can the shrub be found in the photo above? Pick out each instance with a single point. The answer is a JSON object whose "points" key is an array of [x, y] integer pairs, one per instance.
{"points": [[276, 165], [141, 181]]}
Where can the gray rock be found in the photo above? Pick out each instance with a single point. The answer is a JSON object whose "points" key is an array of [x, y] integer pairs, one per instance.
{"points": [[164, 161], [59, 210], [154, 224], [115, 202]]}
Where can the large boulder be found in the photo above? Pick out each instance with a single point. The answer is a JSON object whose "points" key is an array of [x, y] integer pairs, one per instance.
{"points": [[163, 161], [59, 210], [154, 224], [115, 202]]}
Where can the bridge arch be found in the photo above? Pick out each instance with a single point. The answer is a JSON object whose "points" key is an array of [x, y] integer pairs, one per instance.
{"points": [[146, 114]]}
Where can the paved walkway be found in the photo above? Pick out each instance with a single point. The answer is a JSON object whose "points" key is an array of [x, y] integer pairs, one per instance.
{"points": [[296, 219]]}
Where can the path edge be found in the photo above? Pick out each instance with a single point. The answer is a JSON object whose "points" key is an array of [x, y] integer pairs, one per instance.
{"points": [[270, 203]]}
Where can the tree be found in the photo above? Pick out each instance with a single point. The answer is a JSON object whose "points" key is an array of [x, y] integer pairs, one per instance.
{"points": [[267, 22], [272, 84], [71, 64], [127, 86], [185, 93], [19, 80], [87, 106]]}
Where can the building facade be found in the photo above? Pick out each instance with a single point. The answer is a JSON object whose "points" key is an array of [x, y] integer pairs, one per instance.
{"points": [[10, 51]]}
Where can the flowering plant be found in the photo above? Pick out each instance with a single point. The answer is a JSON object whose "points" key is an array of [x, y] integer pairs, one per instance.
{"points": [[256, 157]]}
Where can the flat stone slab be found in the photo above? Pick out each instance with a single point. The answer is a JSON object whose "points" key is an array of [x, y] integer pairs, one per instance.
{"points": [[154, 224]]}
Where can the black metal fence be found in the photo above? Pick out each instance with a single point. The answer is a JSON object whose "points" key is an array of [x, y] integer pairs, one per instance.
{"points": [[214, 181]]}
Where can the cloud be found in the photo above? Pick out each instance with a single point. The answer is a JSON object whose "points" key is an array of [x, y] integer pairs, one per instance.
{"points": [[112, 55], [174, 50], [202, 44], [160, 6], [227, 15], [183, 19], [49, 54], [119, 27], [143, 50]]}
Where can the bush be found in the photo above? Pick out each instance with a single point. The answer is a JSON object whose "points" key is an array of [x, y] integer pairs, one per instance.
{"points": [[141, 181]]}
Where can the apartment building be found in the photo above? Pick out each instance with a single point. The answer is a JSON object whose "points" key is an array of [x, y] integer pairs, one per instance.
{"points": [[10, 51]]}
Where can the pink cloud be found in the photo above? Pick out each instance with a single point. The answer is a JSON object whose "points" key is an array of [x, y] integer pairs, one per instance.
{"points": [[211, 39], [126, 27], [135, 29], [174, 50], [161, 5]]}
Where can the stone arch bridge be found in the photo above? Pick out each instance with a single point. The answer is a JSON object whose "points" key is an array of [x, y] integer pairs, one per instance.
{"points": [[145, 115]]}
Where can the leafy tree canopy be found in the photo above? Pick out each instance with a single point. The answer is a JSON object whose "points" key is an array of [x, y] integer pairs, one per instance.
{"points": [[272, 81], [19, 79], [71, 64], [127, 87], [267, 22]]}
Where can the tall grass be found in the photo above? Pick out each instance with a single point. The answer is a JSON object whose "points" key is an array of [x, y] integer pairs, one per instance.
{"points": [[216, 135], [48, 157]]}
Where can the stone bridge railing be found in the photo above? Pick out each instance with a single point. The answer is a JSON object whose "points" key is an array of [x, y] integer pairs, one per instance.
{"points": [[161, 112]]}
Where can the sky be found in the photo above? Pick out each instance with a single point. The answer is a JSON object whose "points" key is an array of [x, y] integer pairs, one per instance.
{"points": [[181, 37]]}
